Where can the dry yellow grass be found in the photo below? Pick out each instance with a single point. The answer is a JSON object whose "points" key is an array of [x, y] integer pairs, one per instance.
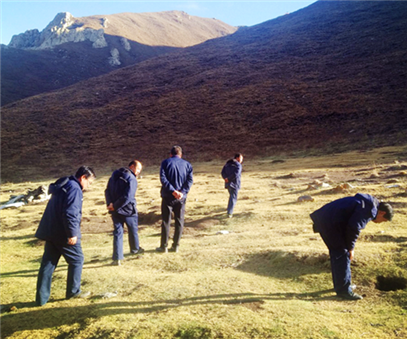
{"points": [[269, 277]]}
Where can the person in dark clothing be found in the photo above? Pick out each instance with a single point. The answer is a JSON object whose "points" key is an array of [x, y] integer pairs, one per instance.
{"points": [[176, 180], [339, 223], [231, 173], [60, 228], [120, 197]]}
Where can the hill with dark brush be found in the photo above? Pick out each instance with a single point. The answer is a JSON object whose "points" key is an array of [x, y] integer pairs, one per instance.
{"points": [[330, 76], [72, 49]]}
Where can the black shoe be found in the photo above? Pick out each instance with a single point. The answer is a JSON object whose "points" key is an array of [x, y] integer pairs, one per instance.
{"points": [[350, 296], [139, 251], [81, 295], [174, 249], [162, 249]]}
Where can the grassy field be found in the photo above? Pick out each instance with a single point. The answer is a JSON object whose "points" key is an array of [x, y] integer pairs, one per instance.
{"points": [[266, 275]]}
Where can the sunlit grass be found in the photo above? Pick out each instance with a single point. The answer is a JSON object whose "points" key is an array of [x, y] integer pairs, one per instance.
{"points": [[268, 276]]}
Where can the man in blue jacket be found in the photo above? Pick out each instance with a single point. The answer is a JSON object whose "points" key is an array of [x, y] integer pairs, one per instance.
{"points": [[176, 180], [60, 228], [232, 172], [121, 203], [339, 223]]}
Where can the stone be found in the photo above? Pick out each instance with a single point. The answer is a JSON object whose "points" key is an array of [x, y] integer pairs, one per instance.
{"points": [[305, 198], [114, 59], [61, 30], [125, 44]]}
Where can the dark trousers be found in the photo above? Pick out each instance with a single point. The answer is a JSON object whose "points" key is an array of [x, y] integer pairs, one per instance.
{"points": [[340, 266], [52, 252], [232, 199], [167, 207], [132, 227]]}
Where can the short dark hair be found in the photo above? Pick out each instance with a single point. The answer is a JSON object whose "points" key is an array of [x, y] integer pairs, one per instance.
{"points": [[176, 150], [134, 163], [386, 207], [86, 171], [238, 155]]}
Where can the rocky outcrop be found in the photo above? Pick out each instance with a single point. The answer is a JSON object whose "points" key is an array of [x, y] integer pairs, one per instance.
{"points": [[125, 43], [114, 59], [28, 39], [64, 28]]}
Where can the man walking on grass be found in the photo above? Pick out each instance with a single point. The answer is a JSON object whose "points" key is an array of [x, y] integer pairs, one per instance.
{"points": [[60, 228], [339, 223], [120, 197], [231, 173], [176, 180]]}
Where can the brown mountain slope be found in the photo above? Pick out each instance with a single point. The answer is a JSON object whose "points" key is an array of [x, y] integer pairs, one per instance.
{"points": [[332, 74], [172, 28], [26, 72]]}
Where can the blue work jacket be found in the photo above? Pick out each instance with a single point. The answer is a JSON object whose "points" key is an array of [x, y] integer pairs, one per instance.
{"points": [[175, 175], [341, 221], [62, 216], [121, 191], [233, 172]]}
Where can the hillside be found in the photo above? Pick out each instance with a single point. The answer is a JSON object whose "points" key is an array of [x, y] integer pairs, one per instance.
{"points": [[72, 49], [330, 76]]}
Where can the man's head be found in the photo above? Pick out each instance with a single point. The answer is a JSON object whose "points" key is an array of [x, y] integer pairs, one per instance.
{"points": [[136, 167], [85, 176], [239, 157], [176, 150], [384, 213]]}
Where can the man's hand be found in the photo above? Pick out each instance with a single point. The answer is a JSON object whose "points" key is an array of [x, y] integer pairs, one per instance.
{"points": [[72, 241], [351, 254], [110, 207], [177, 195], [226, 180]]}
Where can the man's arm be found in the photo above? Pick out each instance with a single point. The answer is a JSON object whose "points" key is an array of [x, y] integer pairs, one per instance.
{"points": [[234, 171], [130, 188], [164, 181], [73, 214], [189, 180], [358, 220], [108, 197]]}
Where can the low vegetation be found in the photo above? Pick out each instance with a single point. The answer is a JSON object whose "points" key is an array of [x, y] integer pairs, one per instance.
{"points": [[261, 274]]}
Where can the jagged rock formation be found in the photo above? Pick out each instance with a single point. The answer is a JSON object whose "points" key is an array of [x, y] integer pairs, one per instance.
{"points": [[64, 28]]}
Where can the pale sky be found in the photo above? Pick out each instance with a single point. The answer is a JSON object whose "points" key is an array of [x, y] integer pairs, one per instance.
{"points": [[19, 16]]}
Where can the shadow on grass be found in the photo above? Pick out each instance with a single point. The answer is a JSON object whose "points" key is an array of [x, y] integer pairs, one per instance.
{"points": [[39, 318], [382, 238], [149, 218], [285, 265], [63, 266], [22, 237]]}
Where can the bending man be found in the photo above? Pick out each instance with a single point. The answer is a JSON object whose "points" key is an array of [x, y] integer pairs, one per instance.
{"points": [[339, 223]]}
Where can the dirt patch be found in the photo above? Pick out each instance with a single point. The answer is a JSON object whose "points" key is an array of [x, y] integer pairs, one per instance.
{"points": [[150, 218], [254, 306], [391, 283], [95, 225], [203, 223]]}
